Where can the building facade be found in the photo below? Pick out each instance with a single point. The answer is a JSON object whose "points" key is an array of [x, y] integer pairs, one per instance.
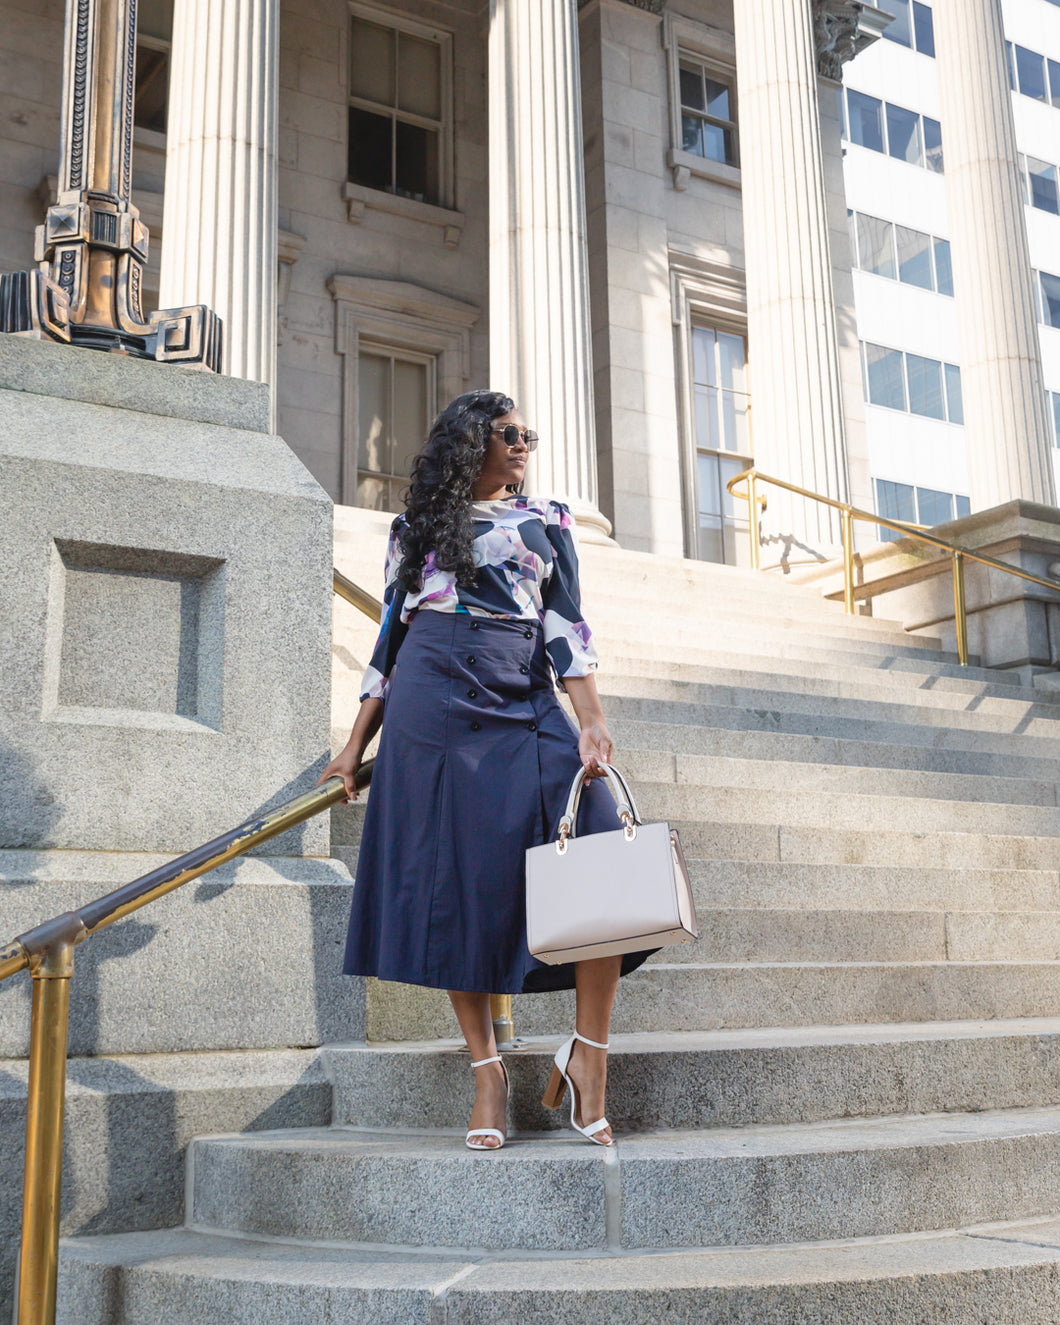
{"points": [[684, 236]]}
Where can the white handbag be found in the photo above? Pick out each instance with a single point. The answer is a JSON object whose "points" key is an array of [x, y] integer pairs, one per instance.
{"points": [[607, 893]]}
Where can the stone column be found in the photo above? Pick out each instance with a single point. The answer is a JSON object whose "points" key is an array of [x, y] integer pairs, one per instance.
{"points": [[1006, 427], [793, 349], [219, 229], [540, 342]]}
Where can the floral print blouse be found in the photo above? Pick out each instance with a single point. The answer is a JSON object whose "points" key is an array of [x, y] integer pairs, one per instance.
{"points": [[527, 559]]}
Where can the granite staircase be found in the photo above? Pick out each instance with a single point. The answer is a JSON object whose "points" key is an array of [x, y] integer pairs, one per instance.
{"points": [[842, 1104]]}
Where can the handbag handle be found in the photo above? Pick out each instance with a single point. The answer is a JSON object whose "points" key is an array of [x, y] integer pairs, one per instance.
{"points": [[625, 805]]}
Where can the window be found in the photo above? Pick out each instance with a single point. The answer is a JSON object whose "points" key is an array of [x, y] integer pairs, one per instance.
{"points": [[895, 251], [151, 97], [720, 411], [708, 113], [1049, 288], [396, 117], [1040, 188], [393, 393], [912, 505], [911, 382], [1054, 408], [912, 24], [894, 130], [1033, 75]]}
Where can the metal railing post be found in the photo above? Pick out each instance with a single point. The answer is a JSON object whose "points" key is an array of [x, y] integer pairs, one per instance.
{"points": [[848, 562], [960, 615], [503, 1024], [752, 516], [51, 968]]}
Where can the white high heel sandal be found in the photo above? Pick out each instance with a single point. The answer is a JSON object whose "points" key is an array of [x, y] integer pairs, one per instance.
{"points": [[560, 1081], [490, 1131]]}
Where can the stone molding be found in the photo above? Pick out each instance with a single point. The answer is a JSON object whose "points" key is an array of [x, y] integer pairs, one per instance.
{"points": [[400, 315], [841, 29], [359, 199], [288, 249]]}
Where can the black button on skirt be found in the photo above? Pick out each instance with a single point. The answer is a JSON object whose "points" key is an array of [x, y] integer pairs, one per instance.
{"points": [[461, 787]]}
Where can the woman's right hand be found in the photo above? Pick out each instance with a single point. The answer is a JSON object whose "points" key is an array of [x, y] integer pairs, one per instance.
{"points": [[345, 766]]}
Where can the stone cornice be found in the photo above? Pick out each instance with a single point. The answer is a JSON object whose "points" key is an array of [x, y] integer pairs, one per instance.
{"points": [[649, 6]]}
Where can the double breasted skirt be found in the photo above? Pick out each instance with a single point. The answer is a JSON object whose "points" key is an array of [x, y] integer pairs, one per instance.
{"points": [[475, 760]]}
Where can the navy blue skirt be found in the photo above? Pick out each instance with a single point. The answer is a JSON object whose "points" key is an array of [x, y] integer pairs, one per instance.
{"points": [[475, 761]]}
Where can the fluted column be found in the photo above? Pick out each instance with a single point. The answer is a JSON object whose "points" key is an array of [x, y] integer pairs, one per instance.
{"points": [[793, 346], [1006, 428], [540, 340], [219, 225]]}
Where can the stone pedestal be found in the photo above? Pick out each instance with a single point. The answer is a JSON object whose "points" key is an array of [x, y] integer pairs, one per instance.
{"points": [[540, 334], [793, 348], [1011, 622], [164, 674], [219, 237], [1006, 428]]}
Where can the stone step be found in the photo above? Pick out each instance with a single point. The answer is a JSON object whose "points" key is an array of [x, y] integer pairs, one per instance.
{"points": [[937, 751], [675, 1189], [710, 771], [925, 708], [829, 639], [1004, 1274], [725, 1078]]}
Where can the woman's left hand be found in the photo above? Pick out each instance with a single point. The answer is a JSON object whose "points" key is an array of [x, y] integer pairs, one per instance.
{"points": [[595, 748]]}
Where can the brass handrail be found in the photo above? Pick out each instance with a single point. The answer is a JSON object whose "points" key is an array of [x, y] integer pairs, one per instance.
{"points": [[500, 1004], [848, 515]]}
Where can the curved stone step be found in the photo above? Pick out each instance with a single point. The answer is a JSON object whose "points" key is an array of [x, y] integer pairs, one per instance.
{"points": [[667, 1190], [726, 1078], [1007, 1274]]}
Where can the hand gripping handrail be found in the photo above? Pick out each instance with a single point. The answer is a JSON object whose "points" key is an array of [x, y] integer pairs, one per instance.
{"points": [[848, 514]]}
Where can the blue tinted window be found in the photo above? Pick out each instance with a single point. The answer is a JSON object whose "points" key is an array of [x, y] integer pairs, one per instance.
{"points": [[1011, 65], [1042, 179], [934, 507], [914, 257], [964, 506], [924, 29], [903, 134], [895, 501], [954, 400], [1054, 82], [884, 376], [943, 269], [932, 144], [865, 120], [901, 30], [1050, 287], [925, 386], [876, 246], [1030, 71]]}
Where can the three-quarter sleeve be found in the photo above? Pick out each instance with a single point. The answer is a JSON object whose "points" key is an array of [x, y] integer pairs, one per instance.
{"points": [[392, 629], [568, 640]]}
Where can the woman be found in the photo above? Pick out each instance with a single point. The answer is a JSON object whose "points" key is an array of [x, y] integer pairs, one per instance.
{"points": [[476, 755]]}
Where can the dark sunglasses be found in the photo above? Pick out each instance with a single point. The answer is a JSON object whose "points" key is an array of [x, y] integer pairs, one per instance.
{"points": [[512, 436]]}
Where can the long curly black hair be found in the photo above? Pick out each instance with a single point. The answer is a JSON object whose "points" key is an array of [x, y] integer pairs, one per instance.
{"points": [[438, 502]]}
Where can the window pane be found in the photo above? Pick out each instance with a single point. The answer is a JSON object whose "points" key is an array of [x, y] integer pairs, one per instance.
{"points": [[1042, 177], [1011, 65], [373, 413], [895, 501], [876, 246], [692, 87], [914, 257], [372, 62], [901, 30], [703, 369], [369, 149], [954, 400], [841, 102], [852, 228], [717, 142], [1054, 397], [420, 76], [733, 508], [903, 134], [1054, 82], [1050, 286], [925, 386], [151, 99], [417, 162], [933, 145], [943, 269], [1030, 71], [691, 134], [886, 380], [373, 493], [410, 414], [866, 120], [733, 421], [718, 100], [731, 358], [933, 507], [964, 507], [709, 484], [923, 29]]}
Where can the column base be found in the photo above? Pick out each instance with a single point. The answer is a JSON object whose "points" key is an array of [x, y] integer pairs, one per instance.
{"points": [[593, 525]]}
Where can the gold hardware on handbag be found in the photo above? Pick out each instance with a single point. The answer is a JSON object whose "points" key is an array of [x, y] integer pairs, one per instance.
{"points": [[607, 893]]}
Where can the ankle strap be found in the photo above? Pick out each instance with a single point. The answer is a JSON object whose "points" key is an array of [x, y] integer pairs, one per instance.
{"points": [[593, 1043], [483, 1061]]}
